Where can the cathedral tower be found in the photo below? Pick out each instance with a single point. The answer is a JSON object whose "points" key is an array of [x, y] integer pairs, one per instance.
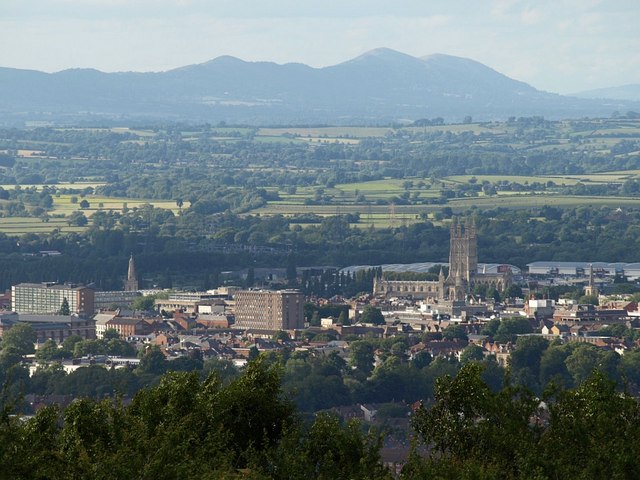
{"points": [[463, 251]]}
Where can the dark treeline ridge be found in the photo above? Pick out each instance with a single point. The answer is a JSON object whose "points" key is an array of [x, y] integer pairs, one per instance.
{"points": [[194, 256]]}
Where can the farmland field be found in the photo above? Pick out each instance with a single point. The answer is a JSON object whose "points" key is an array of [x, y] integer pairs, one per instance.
{"points": [[422, 170]]}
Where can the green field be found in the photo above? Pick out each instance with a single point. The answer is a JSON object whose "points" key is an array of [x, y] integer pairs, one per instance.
{"points": [[386, 202], [62, 204], [606, 177], [529, 201], [344, 197], [63, 208]]}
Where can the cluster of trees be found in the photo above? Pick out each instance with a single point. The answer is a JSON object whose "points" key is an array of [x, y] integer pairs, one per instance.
{"points": [[198, 165], [200, 248], [75, 347], [188, 428], [473, 431], [245, 427], [536, 363]]}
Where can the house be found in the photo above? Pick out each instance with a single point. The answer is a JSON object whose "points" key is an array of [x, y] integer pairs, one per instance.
{"points": [[128, 327], [102, 319]]}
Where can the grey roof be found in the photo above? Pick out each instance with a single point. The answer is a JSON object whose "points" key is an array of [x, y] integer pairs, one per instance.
{"points": [[424, 267], [619, 266], [103, 318], [32, 318], [125, 321], [573, 264], [52, 286]]}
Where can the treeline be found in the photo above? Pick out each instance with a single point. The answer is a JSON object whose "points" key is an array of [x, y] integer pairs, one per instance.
{"points": [[193, 249], [172, 164], [397, 370], [188, 428]]}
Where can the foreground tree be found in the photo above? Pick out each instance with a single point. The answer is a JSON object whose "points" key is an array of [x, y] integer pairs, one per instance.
{"points": [[590, 432], [472, 429], [187, 428]]}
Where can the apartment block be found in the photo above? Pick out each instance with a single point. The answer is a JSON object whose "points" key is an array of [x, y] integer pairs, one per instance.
{"points": [[47, 298], [269, 310]]}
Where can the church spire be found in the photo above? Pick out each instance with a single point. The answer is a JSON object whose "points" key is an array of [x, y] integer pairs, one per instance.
{"points": [[131, 283]]}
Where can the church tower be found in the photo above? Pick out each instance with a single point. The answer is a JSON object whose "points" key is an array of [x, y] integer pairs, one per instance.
{"points": [[463, 259], [463, 251], [131, 283]]}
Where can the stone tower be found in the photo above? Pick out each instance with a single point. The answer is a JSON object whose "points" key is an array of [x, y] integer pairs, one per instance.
{"points": [[131, 283], [591, 289], [463, 251]]}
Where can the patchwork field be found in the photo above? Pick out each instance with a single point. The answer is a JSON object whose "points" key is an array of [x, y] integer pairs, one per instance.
{"points": [[374, 201], [64, 205]]}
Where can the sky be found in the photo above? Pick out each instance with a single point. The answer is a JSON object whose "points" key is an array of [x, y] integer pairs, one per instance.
{"points": [[561, 46]]}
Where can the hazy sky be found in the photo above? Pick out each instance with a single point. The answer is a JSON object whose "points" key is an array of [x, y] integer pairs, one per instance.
{"points": [[556, 45]]}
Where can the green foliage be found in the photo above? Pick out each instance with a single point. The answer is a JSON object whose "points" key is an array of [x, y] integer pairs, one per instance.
{"points": [[470, 426], [16, 342], [599, 423], [64, 307], [472, 353], [281, 335], [153, 362], [111, 334], [588, 300], [186, 428], [589, 432], [524, 361], [373, 315], [455, 332], [144, 303], [361, 356], [77, 219], [49, 351], [510, 328]]}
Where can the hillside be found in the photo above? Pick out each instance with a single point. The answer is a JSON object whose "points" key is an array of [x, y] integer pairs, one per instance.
{"points": [[380, 86], [624, 92]]}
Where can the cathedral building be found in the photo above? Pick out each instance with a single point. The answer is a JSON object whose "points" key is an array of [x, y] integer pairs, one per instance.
{"points": [[463, 272]]}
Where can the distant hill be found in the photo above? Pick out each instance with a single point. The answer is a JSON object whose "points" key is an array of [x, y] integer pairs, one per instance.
{"points": [[625, 92], [380, 86]]}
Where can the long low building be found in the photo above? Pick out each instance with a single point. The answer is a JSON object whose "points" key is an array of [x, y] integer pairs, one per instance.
{"points": [[54, 327], [111, 300], [580, 269], [424, 267]]}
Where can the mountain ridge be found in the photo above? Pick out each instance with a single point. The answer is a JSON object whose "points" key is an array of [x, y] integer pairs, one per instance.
{"points": [[378, 86], [629, 92]]}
